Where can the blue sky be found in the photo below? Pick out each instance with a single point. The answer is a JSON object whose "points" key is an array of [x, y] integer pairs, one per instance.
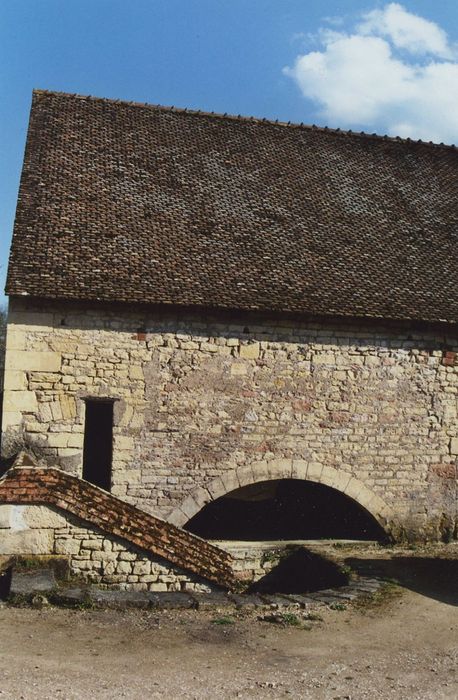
{"points": [[373, 66]]}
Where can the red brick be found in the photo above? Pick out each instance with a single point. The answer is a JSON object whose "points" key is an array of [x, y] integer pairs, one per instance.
{"points": [[115, 517]]}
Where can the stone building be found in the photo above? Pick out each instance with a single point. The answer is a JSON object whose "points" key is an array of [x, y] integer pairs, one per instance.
{"points": [[206, 311]]}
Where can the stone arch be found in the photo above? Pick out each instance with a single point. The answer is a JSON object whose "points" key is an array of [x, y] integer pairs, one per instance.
{"points": [[337, 479]]}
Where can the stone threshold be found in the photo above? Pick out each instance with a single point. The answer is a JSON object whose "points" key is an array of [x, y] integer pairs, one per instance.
{"points": [[40, 588]]}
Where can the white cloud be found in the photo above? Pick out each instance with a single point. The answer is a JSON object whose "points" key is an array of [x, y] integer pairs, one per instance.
{"points": [[393, 73], [407, 31]]}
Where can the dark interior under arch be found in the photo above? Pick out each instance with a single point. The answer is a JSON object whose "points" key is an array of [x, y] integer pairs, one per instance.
{"points": [[286, 509]]}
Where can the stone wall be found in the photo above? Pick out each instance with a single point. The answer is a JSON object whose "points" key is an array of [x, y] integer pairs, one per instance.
{"points": [[93, 555], [96, 557], [32, 485], [203, 399]]}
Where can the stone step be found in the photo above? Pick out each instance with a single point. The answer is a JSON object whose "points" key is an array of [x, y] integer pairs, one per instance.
{"points": [[171, 600], [328, 598], [303, 600], [212, 601], [71, 597], [118, 599], [28, 583], [366, 586], [246, 600], [279, 601], [336, 594]]}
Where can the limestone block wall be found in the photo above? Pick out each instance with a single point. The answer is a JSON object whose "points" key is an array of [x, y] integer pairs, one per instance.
{"points": [[201, 399], [96, 557], [93, 555], [254, 560]]}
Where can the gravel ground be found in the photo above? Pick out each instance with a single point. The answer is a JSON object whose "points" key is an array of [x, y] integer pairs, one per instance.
{"points": [[401, 645], [404, 648]]}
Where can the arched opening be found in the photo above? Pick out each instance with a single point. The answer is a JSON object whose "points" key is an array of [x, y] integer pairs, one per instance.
{"points": [[285, 509]]}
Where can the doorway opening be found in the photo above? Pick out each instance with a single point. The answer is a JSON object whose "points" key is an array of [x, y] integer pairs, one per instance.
{"points": [[98, 442]]}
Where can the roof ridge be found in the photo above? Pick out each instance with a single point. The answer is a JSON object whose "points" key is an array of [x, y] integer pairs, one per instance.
{"points": [[251, 119]]}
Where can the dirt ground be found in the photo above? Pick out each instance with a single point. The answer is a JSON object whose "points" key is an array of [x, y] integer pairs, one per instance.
{"points": [[402, 645]]}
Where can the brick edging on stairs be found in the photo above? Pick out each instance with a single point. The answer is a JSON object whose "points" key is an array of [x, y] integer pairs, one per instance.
{"points": [[53, 487]]}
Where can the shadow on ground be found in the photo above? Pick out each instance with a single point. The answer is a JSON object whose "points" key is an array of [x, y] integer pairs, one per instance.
{"points": [[301, 571], [434, 577]]}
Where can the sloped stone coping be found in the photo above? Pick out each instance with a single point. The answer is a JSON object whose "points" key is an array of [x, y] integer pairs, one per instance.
{"points": [[48, 486]]}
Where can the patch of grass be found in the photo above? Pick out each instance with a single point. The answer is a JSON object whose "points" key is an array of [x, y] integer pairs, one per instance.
{"points": [[313, 617], [287, 619], [338, 606], [18, 600], [290, 619], [223, 620], [83, 605], [273, 555], [22, 562], [379, 599]]}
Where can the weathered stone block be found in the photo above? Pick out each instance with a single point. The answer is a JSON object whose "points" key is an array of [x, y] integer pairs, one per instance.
{"points": [[92, 544], [249, 352], [124, 567], [136, 372], [127, 556], [58, 439], [324, 358], [67, 406], [24, 401], [43, 517], [10, 419], [142, 567], [238, 369], [26, 542], [15, 338], [5, 515], [31, 360], [76, 440], [123, 442], [35, 427], [15, 380], [67, 546]]}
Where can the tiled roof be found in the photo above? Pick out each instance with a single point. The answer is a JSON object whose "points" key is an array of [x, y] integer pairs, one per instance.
{"points": [[138, 203]]}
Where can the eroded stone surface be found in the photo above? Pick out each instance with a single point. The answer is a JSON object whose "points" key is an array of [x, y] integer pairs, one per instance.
{"points": [[202, 400], [27, 583], [102, 555]]}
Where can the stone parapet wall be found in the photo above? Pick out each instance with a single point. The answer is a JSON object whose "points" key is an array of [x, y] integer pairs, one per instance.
{"points": [[201, 397], [93, 555], [254, 560], [100, 511]]}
